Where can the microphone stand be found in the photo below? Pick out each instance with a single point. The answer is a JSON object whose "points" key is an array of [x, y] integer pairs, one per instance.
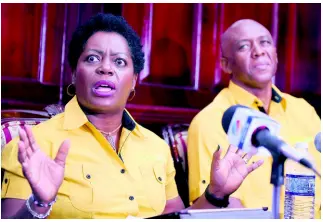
{"points": [[277, 179]]}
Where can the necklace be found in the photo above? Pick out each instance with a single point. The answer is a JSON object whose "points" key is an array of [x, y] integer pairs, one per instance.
{"points": [[109, 137]]}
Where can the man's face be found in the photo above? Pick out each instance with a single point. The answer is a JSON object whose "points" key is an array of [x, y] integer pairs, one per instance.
{"points": [[251, 54]]}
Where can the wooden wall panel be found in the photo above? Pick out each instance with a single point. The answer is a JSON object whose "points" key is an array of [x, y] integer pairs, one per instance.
{"points": [[182, 45], [86, 10], [172, 36], [134, 13], [54, 17], [299, 48], [216, 19], [20, 30], [210, 51]]}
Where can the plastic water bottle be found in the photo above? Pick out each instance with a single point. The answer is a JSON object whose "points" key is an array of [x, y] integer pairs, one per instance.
{"points": [[299, 188]]}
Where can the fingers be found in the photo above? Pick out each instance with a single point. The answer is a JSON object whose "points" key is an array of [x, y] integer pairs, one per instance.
{"points": [[234, 150], [22, 153], [216, 158], [24, 138], [254, 166], [240, 153], [230, 150], [62, 153], [31, 138], [25, 141], [247, 157]]}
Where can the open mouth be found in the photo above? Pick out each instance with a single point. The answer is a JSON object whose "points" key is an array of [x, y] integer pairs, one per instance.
{"points": [[104, 88]]}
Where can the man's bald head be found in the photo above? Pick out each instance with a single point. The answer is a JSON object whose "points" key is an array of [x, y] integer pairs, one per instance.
{"points": [[234, 31], [249, 54]]}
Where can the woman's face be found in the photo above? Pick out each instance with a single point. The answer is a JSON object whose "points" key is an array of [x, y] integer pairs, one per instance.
{"points": [[104, 75]]}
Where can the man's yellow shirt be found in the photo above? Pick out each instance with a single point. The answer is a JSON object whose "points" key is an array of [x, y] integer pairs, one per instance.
{"points": [[98, 182], [299, 122]]}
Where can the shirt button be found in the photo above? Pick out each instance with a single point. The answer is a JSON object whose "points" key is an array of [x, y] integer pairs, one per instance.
{"points": [[88, 176], [6, 180], [160, 179], [203, 181], [131, 198], [122, 170]]}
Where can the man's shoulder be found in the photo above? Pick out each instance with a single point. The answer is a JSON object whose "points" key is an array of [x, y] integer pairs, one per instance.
{"points": [[296, 102], [213, 112]]}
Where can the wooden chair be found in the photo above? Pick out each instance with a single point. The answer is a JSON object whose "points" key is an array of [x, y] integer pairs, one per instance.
{"points": [[14, 119], [176, 137]]}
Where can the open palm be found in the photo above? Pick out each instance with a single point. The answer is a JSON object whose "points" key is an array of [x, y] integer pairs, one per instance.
{"points": [[44, 175], [228, 173]]}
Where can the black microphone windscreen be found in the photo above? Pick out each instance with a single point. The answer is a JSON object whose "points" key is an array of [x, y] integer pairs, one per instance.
{"points": [[227, 116]]}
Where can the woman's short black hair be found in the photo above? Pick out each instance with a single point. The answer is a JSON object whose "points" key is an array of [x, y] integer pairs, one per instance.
{"points": [[107, 23]]}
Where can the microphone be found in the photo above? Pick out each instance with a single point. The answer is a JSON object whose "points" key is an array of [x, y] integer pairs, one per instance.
{"points": [[247, 128], [317, 142]]}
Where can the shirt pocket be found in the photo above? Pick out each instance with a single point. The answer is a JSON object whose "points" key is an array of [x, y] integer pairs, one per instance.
{"points": [[79, 186], [4, 186], [154, 180]]}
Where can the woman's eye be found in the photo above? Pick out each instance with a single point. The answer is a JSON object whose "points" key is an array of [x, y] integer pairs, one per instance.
{"points": [[92, 59], [120, 62]]}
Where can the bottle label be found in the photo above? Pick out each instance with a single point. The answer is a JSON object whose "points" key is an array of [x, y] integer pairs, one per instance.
{"points": [[300, 185]]}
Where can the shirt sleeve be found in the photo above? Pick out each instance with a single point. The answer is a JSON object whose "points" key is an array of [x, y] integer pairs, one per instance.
{"points": [[171, 187], [315, 124], [204, 136], [14, 184]]}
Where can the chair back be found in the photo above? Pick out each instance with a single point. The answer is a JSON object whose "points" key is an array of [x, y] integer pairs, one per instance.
{"points": [[14, 119], [176, 137]]}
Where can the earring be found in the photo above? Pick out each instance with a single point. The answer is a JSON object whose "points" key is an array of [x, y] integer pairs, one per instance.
{"points": [[69, 89], [134, 93]]}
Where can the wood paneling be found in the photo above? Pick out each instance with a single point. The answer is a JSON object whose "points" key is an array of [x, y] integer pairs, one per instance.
{"points": [[20, 36], [182, 46], [299, 49]]}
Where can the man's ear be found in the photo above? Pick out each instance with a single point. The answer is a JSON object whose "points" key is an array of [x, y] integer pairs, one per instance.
{"points": [[225, 65]]}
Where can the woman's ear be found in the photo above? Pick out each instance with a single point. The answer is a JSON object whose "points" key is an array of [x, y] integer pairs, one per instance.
{"points": [[134, 80], [73, 78]]}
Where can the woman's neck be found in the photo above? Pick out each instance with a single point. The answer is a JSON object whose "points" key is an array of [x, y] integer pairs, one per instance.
{"points": [[109, 125], [106, 122]]}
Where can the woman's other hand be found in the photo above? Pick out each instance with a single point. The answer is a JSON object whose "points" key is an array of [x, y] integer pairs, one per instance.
{"points": [[44, 175]]}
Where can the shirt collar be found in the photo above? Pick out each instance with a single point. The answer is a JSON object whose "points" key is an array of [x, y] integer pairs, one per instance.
{"points": [[242, 96], [75, 118]]}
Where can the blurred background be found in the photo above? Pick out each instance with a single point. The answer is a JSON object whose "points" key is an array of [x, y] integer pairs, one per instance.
{"points": [[181, 43]]}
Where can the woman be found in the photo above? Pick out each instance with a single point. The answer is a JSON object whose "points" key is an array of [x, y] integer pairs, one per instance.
{"points": [[94, 160]]}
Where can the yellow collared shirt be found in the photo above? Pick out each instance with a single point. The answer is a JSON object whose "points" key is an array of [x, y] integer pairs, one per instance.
{"points": [[98, 182], [297, 118]]}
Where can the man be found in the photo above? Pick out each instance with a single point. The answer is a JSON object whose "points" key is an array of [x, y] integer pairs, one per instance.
{"points": [[249, 56]]}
